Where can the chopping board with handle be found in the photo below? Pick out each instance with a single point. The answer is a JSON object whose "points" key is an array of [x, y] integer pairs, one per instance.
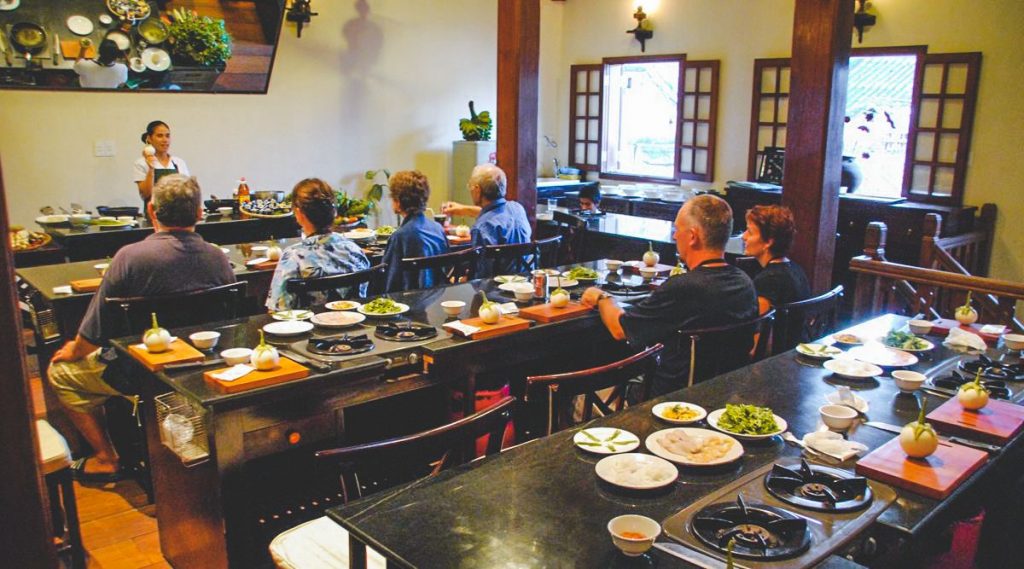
{"points": [[287, 370], [507, 325], [548, 313], [71, 48], [86, 285], [996, 423], [935, 476], [942, 326], [663, 270], [180, 352]]}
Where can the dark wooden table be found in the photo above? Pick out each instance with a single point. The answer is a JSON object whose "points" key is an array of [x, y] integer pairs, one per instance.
{"points": [[541, 504]]}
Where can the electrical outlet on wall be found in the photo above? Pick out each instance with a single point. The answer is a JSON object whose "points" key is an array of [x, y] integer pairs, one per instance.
{"points": [[104, 148]]}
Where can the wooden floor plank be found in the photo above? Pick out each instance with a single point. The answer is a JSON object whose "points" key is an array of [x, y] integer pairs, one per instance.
{"points": [[97, 534]]}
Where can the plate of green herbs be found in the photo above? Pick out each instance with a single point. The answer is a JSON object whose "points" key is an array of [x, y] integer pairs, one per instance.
{"points": [[605, 440], [907, 341], [747, 422], [580, 274]]}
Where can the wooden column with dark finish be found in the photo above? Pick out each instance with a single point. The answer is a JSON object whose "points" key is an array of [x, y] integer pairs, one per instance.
{"points": [[25, 539], [518, 55], [822, 31]]}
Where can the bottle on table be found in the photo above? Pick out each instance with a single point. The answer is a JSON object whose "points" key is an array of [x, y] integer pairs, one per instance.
{"points": [[243, 192]]}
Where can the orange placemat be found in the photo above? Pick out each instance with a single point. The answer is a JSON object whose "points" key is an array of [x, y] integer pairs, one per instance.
{"points": [[548, 313], [997, 422], [86, 285], [507, 325], [935, 477], [179, 353], [71, 48], [288, 370]]}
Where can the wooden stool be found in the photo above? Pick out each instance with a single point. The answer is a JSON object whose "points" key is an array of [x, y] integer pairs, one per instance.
{"points": [[55, 463]]}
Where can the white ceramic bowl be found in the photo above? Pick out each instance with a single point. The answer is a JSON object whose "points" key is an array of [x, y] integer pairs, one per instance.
{"points": [[613, 265], [523, 291], [204, 340], [648, 272], [908, 381], [632, 523], [920, 326], [1014, 341], [227, 210], [837, 417], [453, 307], [80, 218], [235, 356], [137, 65], [101, 268], [125, 218]]}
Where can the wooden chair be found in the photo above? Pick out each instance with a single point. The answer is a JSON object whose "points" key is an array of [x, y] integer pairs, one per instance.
{"points": [[715, 346], [449, 267], [548, 251], [302, 288], [805, 320], [511, 258], [572, 229], [603, 388], [375, 466]]}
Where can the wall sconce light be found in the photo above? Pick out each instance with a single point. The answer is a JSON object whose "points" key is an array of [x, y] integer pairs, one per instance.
{"points": [[301, 13], [644, 29], [862, 19]]}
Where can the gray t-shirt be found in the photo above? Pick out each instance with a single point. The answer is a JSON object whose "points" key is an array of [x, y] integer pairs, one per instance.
{"points": [[167, 262]]}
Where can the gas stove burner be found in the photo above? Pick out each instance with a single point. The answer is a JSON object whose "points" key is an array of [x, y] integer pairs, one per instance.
{"points": [[818, 488], [759, 531], [621, 289], [991, 369], [405, 331], [343, 346], [955, 379]]}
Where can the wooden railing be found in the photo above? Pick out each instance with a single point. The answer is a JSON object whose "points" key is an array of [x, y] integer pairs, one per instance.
{"points": [[966, 254], [883, 286]]}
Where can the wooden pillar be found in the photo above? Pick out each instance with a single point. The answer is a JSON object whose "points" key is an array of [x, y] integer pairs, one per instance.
{"points": [[25, 539], [518, 55], [822, 31]]}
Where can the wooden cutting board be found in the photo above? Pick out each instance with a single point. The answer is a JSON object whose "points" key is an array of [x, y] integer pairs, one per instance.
{"points": [[662, 269], [71, 48], [942, 326], [507, 325], [180, 352], [86, 285], [267, 265], [454, 240], [548, 313], [935, 477], [288, 370], [997, 423]]}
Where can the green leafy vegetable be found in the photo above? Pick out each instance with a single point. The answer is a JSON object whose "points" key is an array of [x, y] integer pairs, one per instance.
{"points": [[904, 340], [581, 273], [381, 305], [748, 420]]}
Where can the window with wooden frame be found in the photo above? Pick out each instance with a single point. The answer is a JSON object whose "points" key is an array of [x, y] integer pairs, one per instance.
{"points": [[585, 117], [697, 113], [941, 116]]}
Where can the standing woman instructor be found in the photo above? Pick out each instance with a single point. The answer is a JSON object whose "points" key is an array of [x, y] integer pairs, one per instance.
{"points": [[156, 161]]}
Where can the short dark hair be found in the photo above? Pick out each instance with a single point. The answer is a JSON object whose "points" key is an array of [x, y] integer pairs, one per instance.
{"points": [[109, 52], [714, 218], [316, 199], [176, 200], [411, 189], [775, 222], [151, 127], [593, 193]]}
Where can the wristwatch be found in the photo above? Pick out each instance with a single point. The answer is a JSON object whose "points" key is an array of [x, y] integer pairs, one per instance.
{"points": [[603, 296]]}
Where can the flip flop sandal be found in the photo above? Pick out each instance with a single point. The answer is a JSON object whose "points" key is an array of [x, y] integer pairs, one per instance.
{"points": [[78, 473]]}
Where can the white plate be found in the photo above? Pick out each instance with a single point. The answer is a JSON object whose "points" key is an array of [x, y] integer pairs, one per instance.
{"points": [[105, 19], [55, 219], [566, 275], [337, 319], [122, 41], [508, 287], [859, 403], [882, 356], [8, 5], [503, 279], [818, 351], [653, 444], [602, 445], [852, 369], [342, 305], [156, 59], [848, 339], [292, 315], [661, 407], [561, 282], [402, 308], [80, 25], [288, 328], [360, 234], [647, 471], [928, 346], [717, 414]]}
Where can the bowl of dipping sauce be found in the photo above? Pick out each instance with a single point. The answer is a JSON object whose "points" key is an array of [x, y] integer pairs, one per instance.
{"points": [[648, 273], [523, 291], [235, 356], [454, 307], [633, 534], [205, 340], [613, 265], [837, 417], [908, 381], [920, 326], [1014, 341]]}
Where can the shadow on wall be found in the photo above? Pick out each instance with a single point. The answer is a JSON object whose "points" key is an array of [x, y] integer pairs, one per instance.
{"points": [[363, 40]]}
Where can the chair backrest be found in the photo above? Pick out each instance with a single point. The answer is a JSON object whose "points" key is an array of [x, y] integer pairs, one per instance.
{"points": [[805, 320], [717, 349], [511, 257], [548, 251], [448, 267], [573, 229], [302, 287], [371, 467], [177, 310], [603, 389]]}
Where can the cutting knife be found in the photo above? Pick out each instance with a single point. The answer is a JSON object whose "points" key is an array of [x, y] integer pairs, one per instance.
{"points": [[193, 365], [991, 449], [319, 366], [693, 556]]}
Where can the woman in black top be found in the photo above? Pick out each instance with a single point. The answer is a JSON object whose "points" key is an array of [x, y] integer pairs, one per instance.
{"points": [[769, 234]]}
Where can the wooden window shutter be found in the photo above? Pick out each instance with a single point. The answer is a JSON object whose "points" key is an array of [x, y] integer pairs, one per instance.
{"points": [[698, 114], [585, 116], [769, 109], [940, 130]]}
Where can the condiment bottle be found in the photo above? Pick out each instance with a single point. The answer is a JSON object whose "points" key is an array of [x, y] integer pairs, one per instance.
{"points": [[243, 191]]}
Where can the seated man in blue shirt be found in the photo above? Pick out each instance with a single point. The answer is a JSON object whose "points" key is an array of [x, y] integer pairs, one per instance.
{"points": [[418, 236]]}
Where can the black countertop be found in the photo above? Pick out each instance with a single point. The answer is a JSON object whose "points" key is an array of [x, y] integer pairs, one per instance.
{"points": [[643, 229], [541, 504]]}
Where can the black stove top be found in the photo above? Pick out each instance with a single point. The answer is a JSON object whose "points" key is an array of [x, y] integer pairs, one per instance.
{"points": [[819, 488], [405, 331], [340, 345], [758, 531], [991, 369], [996, 388]]}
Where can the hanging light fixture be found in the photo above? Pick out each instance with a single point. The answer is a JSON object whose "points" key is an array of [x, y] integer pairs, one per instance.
{"points": [[862, 19], [644, 29], [300, 12]]}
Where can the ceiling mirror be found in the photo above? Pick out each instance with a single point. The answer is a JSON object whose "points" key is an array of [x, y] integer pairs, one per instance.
{"points": [[208, 46]]}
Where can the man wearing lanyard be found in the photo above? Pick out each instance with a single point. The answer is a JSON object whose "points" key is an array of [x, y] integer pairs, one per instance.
{"points": [[712, 293]]}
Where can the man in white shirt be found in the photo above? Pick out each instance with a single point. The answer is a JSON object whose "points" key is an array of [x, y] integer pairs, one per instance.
{"points": [[103, 73]]}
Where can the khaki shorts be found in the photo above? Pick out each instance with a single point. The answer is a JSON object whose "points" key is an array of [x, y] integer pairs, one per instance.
{"points": [[79, 385]]}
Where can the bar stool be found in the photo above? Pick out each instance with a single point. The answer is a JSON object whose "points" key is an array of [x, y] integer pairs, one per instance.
{"points": [[55, 463]]}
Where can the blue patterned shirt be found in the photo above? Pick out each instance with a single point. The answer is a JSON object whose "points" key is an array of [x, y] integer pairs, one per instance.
{"points": [[315, 256]]}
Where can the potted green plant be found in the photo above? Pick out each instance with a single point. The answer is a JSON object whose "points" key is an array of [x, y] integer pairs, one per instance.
{"points": [[198, 40], [477, 126]]}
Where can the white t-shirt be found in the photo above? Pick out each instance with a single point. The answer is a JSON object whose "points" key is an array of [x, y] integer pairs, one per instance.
{"points": [[96, 76], [140, 168]]}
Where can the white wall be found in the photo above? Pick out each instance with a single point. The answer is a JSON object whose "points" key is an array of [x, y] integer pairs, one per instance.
{"points": [[353, 94], [739, 31]]}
